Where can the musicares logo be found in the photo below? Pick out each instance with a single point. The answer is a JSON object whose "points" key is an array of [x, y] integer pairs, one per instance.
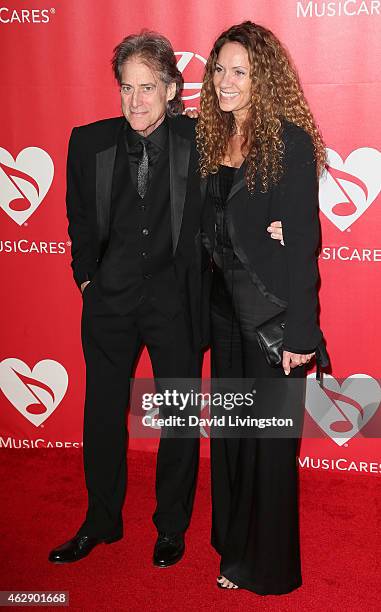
{"points": [[341, 411], [191, 70], [34, 393], [12, 15], [24, 182], [345, 8], [349, 187]]}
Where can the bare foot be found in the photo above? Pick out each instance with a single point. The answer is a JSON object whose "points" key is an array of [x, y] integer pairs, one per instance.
{"points": [[225, 583]]}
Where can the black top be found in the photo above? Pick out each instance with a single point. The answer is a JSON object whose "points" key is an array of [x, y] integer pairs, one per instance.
{"points": [[219, 188], [155, 143], [224, 180]]}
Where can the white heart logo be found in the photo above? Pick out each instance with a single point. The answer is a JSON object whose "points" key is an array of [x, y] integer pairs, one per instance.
{"points": [[341, 411], [24, 182], [349, 187], [34, 393]]}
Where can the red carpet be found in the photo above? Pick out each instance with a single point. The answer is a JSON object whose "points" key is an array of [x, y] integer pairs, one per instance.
{"points": [[42, 503]]}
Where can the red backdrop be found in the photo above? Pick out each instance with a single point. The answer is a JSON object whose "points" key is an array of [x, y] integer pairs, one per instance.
{"points": [[56, 74]]}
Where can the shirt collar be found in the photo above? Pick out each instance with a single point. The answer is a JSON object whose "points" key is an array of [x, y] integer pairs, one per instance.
{"points": [[158, 137]]}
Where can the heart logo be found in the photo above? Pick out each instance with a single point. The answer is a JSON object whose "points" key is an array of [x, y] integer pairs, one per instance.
{"points": [[34, 393], [349, 187], [24, 182], [341, 411]]}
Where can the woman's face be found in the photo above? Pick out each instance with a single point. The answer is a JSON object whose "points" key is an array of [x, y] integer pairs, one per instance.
{"points": [[231, 79]]}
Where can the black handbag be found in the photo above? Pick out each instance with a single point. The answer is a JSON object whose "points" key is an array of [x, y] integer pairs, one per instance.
{"points": [[270, 339]]}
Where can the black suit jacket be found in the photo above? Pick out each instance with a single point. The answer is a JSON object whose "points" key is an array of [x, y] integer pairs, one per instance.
{"points": [[90, 167], [287, 276]]}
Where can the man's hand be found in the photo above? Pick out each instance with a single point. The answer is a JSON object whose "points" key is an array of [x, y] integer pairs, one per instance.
{"points": [[275, 231], [83, 285], [293, 360], [192, 113]]}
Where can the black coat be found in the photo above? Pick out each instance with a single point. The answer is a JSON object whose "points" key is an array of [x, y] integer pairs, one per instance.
{"points": [[90, 167], [288, 275]]}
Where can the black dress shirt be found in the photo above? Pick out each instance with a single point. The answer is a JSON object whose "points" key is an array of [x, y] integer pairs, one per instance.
{"points": [[155, 143]]}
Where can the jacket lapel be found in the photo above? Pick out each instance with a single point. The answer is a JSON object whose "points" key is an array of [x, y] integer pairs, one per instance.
{"points": [[104, 173], [239, 182], [179, 154], [105, 161]]}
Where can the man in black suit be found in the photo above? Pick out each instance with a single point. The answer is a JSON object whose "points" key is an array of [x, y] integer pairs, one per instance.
{"points": [[134, 210], [134, 206]]}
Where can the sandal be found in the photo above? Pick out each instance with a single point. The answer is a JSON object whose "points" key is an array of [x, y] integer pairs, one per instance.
{"points": [[223, 586]]}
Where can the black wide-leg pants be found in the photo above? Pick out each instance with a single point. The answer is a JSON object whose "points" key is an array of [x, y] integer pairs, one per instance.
{"points": [[111, 345], [254, 479]]}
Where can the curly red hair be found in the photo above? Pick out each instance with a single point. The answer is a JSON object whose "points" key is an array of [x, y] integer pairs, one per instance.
{"points": [[276, 95]]}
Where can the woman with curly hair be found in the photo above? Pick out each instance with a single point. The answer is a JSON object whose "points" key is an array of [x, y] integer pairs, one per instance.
{"points": [[262, 155]]}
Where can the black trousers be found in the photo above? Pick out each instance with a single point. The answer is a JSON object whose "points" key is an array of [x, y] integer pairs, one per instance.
{"points": [[111, 345], [254, 479]]}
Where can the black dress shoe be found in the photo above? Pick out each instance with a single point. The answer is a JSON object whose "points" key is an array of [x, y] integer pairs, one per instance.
{"points": [[169, 549], [78, 548]]}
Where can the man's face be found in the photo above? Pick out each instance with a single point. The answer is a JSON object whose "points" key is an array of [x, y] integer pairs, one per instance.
{"points": [[144, 96]]}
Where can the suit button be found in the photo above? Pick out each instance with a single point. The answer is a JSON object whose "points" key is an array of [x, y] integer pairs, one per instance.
{"points": [[142, 208], [145, 231], [147, 276], [144, 254]]}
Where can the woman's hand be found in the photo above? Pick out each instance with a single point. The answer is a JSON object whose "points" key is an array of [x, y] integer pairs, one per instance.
{"points": [[192, 113], [293, 360], [275, 231]]}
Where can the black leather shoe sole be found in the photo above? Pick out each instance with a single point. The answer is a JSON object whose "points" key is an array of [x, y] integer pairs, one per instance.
{"points": [[60, 562]]}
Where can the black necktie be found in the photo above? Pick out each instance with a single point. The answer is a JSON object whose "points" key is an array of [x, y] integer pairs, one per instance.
{"points": [[143, 171]]}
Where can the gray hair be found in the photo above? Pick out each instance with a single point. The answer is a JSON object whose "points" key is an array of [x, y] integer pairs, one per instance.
{"points": [[157, 52]]}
